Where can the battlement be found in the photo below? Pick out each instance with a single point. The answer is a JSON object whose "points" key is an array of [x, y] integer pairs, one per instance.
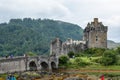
{"points": [[95, 26], [95, 23], [96, 20]]}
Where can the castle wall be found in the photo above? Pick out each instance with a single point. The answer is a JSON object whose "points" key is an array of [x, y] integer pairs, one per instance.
{"points": [[59, 48], [12, 65], [74, 47]]}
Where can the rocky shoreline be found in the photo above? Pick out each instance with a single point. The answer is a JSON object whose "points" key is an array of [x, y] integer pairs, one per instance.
{"points": [[60, 76]]}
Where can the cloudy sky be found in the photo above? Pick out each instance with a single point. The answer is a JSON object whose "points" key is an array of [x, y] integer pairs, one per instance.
{"points": [[75, 11]]}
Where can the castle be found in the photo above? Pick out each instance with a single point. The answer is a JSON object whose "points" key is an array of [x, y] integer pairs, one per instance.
{"points": [[95, 36]]}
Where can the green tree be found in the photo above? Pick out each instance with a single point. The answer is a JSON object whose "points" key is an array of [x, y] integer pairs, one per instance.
{"points": [[71, 54], [19, 36], [109, 58], [94, 51], [118, 50], [63, 60]]}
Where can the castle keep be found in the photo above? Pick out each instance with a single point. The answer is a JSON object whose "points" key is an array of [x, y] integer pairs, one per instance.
{"points": [[95, 36]]}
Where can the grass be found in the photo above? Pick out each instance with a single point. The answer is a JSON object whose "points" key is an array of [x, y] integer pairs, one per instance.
{"points": [[100, 67], [93, 65], [86, 59]]}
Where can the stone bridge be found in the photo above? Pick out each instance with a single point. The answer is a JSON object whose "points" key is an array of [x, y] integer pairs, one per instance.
{"points": [[17, 64]]}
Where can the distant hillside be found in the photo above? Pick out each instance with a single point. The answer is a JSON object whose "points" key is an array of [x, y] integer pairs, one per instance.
{"points": [[21, 36], [112, 44]]}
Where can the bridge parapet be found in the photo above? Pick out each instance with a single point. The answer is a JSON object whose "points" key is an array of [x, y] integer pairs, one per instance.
{"points": [[1, 58], [11, 59]]}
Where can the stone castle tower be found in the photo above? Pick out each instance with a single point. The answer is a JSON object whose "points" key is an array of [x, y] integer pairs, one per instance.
{"points": [[56, 47], [95, 34]]}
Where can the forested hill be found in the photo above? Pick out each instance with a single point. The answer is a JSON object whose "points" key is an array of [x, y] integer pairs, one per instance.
{"points": [[20, 36]]}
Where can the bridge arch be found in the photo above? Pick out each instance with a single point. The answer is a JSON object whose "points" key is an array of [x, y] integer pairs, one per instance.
{"points": [[53, 65], [44, 66], [32, 66]]}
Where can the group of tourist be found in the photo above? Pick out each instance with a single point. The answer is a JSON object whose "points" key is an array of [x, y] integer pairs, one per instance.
{"points": [[11, 77], [11, 56]]}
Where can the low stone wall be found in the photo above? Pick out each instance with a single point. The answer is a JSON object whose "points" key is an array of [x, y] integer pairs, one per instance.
{"points": [[12, 65], [17, 64]]}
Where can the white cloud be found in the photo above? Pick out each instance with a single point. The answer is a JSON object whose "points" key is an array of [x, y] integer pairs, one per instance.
{"points": [[113, 24], [33, 8], [113, 21], [76, 11]]}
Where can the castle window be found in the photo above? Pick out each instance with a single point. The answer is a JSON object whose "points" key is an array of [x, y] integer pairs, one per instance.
{"points": [[96, 38]]}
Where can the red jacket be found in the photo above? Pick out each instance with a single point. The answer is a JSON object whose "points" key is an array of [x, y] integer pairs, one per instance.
{"points": [[102, 77]]}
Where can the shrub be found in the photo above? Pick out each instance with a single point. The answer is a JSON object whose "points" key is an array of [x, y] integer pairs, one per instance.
{"points": [[71, 54], [109, 58], [118, 50], [80, 62], [94, 51], [63, 60], [97, 60]]}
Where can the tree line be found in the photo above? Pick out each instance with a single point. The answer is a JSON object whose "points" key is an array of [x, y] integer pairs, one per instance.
{"points": [[21, 36]]}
